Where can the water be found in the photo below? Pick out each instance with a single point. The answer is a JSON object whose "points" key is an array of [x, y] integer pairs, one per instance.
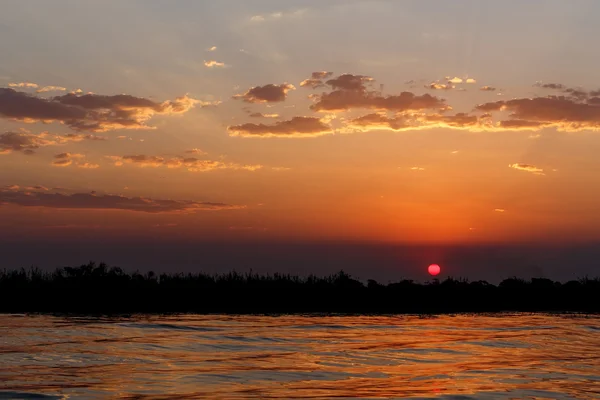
{"points": [[512, 356]]}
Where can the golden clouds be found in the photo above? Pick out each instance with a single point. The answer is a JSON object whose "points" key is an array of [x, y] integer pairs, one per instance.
{"points": [[213, 64], [527, 168], [192, 164]]}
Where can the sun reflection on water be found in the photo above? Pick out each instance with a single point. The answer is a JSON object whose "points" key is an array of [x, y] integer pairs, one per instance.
{"points": [[215, 357]]}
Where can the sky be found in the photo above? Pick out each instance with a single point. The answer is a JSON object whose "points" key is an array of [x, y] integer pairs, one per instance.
{"points": [[302, 136]]}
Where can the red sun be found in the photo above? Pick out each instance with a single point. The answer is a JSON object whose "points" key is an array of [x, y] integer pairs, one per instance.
{"points": [[434, 269]]}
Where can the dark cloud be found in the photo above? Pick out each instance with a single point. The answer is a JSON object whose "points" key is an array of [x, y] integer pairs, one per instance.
{"points": [[594, 101], [561, 112], [62, 155], [90, 112], [575, 93], [295, 127], [105, 202], [27, 143], [266, 94], [349, 82], [380, 121], [407, 122], [553, 86], [344, 100], [351, 92]]}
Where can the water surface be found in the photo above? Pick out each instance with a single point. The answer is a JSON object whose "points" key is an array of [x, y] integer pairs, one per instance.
{"points": [[511, 356]]}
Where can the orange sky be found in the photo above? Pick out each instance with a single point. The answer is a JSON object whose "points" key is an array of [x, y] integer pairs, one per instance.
{"points": [[297, 123]]}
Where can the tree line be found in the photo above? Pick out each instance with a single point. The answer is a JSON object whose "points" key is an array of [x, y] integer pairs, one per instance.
{"points": [[100, 289]]}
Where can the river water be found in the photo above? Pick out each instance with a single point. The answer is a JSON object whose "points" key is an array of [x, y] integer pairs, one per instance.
{"points": [[505, 356]]}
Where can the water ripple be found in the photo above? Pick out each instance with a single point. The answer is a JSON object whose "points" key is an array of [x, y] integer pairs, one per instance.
{"points": [[300, 357]]}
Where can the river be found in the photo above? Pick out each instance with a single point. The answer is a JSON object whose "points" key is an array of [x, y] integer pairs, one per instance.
{"points": [[502, 356]]}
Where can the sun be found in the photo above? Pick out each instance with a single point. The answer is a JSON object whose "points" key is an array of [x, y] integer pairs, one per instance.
{"points": [[434, 269]]}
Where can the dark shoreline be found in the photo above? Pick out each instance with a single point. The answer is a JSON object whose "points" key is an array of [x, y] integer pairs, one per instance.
{"points": [[99, 290]]}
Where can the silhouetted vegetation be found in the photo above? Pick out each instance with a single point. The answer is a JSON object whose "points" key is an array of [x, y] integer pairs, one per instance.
{"points": [[95, 288]]}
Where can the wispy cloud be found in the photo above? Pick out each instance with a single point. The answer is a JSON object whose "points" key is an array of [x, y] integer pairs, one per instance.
{"points": [[23, 85], [528, 168], [106, 202], [192, 164], [27, 143], [213, 64]]}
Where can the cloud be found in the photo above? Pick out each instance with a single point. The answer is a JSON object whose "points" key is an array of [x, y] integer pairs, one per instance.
{"points": [[575, 93], [261, 115], [195, 151], [563, 113], [500, 210], [316, 79], [470, 80], [278, 15], [440, 86], [519, 124], [213, 48], [87, 165], [27, 143], [67, 155], [528, 168], [270, 93], [75, 159], [62, 163], [456, 79], [90, 112], [295, 127], [344, 100], [417, 169], [66, 159], [351, 92], [23, 85], [321, 74], [349, 82], [312, 83], [554, 86], [213, 64], [51, 89], [377, 121], [409, 122], [106, 202], [487, 88], [192, 164]]}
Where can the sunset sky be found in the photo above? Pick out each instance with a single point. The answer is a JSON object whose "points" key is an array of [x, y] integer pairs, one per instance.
{"points": [[235, 134]]}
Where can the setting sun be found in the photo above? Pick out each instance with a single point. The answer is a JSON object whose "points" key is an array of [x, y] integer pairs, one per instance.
{"points": [[434, 270]]}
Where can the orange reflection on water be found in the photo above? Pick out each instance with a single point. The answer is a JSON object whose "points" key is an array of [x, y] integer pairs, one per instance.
{"points": [[216, 357]]}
